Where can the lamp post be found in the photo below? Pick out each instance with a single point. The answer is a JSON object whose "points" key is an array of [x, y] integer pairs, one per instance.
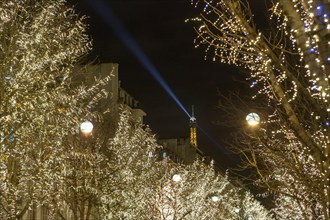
{"points": [[86, 127], [215, 198], [176, 178], [253, 119]]}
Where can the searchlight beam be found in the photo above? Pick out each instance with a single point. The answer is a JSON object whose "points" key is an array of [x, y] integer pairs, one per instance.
{"points": [[104, 10]]}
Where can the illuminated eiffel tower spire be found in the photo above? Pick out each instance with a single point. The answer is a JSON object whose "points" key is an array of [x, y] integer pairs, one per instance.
{"points": [[193, 127]]}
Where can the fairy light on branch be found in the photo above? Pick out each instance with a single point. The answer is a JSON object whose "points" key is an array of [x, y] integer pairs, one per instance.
{"points": [[289, 69]]}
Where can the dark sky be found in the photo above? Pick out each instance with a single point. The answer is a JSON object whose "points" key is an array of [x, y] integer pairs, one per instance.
{"points": [[159, 28]]}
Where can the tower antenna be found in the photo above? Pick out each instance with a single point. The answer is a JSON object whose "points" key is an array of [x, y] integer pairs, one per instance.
{"points": [[193, 126]]}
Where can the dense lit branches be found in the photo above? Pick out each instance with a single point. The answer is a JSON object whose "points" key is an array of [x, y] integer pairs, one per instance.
{"points": [[51, 168], [144, 181], [40, 44], [287, 63]]}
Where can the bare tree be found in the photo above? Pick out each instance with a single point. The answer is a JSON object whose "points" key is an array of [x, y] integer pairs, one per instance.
{"points": [[287, 63]]}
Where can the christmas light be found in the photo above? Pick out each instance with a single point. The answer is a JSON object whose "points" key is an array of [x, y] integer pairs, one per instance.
{"points": [[291, 69]]}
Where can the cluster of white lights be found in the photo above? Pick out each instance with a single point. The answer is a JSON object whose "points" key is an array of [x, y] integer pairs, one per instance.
{"points": [[299, 68]]}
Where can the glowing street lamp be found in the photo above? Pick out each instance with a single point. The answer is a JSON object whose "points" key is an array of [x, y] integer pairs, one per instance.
{"points": [[215, 198], [176, 177], [86, 127], [253, 119]]}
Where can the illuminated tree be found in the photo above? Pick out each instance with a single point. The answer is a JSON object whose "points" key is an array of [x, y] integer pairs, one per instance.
{"points": [[87, 173], [133, 170], [41, 43], [138, 180], [287, 63], [197, 192]]}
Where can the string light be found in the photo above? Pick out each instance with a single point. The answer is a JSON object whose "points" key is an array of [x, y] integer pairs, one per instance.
{"points": [[292, 70]]}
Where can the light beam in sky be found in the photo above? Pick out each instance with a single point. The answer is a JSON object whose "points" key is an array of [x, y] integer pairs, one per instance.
{"points": [[104, 10]]}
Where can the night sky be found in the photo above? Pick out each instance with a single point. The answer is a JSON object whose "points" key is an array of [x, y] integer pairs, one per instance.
{"points": [[159, 28]]}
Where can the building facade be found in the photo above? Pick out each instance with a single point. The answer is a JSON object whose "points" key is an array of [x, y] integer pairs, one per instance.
{"points": [[117, 96]]}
